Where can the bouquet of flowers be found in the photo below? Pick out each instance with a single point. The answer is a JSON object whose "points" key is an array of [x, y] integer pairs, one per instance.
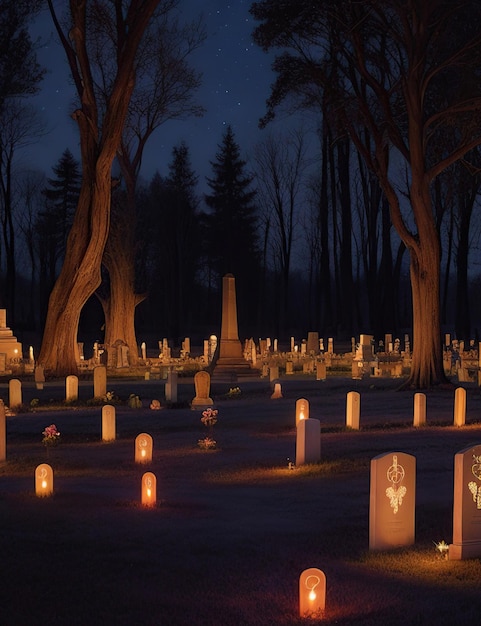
{"points": [[51, 436], [209, 417]]}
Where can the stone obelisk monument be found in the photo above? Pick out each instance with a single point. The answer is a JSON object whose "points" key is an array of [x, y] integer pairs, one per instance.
{"points": [[230, 361]]}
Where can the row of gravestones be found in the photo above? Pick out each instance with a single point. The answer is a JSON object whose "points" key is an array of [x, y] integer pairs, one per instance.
{"points": [[353, 409], [393, 493], [201, 381]]}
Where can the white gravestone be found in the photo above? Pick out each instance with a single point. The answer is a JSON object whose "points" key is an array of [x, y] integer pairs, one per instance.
{"points": [[14, 392], [353, 409], [419, 409], [71, 388], [467, 505], [460, 406], [308, 442], [392, 500], [108, 422], [100, 381]]}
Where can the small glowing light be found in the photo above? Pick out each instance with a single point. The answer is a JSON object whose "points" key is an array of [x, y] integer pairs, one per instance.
{"points": [[149, 493], [143, 452], [312, 594], [301, 415], [44, 484]]}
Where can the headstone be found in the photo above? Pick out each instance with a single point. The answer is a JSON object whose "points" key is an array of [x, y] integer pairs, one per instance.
{"points": [[460, 406], [392, 501], [108, 423], [30, 354], [273, 373], [277, 392], [3, 433], [43, 480], [206, 350], [447, 340], [149, 489], [171, 386], [308, 441], [14, 393], [202, 390], [419, 409], [292, 344], [143, 350], [289, 368], [276, 345], [39, 376], [143, 448], [312, 343], [321, 370], [100, 381], [312, 593], [302, 410], [388, 342], [303, 347], [330, 345], [467, 505], [71, 388], [353, 409]]}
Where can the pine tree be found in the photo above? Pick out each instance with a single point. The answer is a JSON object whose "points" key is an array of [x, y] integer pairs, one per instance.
{"points": [[231, 237], [54, 223]]}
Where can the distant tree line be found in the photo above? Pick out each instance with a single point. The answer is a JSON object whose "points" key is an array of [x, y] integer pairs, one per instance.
{"points": [[367, 221]]}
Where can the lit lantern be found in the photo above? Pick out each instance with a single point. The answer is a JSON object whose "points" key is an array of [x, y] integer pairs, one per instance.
{"points": [[312, 592], [44, 480], [143, 448], [149, 489]]}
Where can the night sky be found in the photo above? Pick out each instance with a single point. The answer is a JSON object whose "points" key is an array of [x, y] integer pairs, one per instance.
{"points": [[236, 83]]}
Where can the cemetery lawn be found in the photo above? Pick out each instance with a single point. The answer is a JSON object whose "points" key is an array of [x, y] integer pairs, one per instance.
{"points": [[233, 528]]}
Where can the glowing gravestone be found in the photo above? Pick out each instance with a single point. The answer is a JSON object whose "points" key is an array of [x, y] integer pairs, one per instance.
{"points": [[143, 448], [44, 480], [308, 442], [467, 505], [460, 407], [392, 500], [71, 388], [100, 381], [149, 489], [419, 409], [3, 432], [312, 592], [302, 410], [108, 422], [14, 393], [353, 409], [277, 393]]}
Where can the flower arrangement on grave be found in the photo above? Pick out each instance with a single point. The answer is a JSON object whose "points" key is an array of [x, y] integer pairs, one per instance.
{"points": [[443, 548], [51, 436], [155, 405], [209, 419], [234, 392], [109, 397], [207, 443]]}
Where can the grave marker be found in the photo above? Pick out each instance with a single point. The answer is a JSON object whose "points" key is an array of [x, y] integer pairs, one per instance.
{"points": [[171, 386], [14, 393], [43, 480], [392, 500], [71, 388], [308, 441], [353, 409], [302, 410], [202, 390], [321, 370], [312, 593], [467, 505], [277, 392], [460, 406], [143, 448], [273, 373], [100, 381], [419, 409], [108, 423], [149, 489]]}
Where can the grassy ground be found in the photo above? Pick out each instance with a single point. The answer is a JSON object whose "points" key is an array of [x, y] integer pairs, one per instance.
{"points": [[233, 528]]}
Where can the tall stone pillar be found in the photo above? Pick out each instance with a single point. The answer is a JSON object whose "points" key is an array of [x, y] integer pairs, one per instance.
{"points": [[231, 361]]}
